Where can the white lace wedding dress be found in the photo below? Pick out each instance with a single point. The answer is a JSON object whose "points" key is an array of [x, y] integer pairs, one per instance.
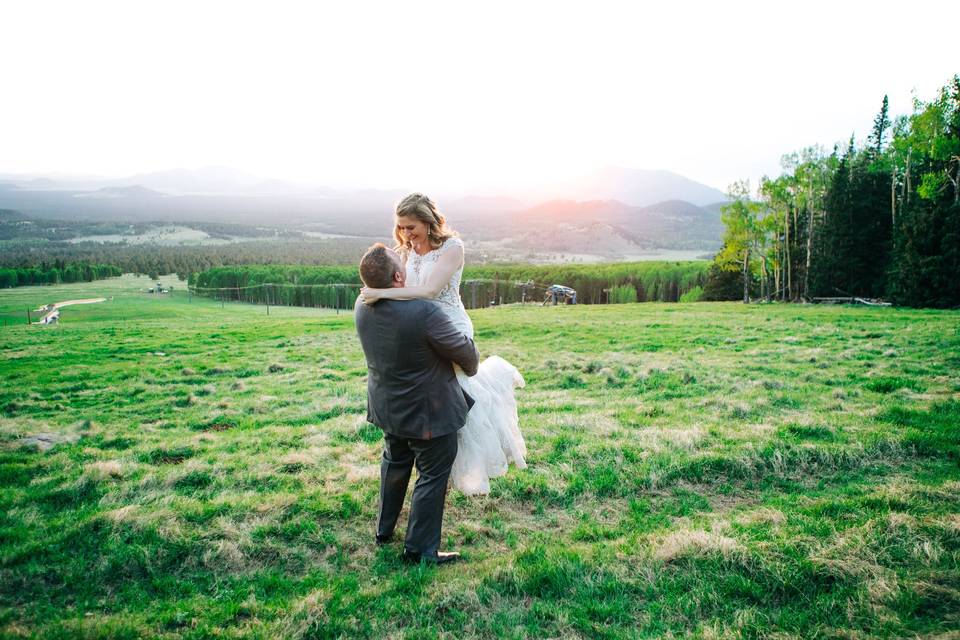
{"points": [[491, 437]]}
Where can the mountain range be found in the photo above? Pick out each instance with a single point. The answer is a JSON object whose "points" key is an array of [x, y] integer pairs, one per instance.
{"points": [[637, 187], [636, 209]]}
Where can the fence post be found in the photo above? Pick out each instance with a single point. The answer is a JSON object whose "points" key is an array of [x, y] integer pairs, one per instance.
{"points": [[473, 294], [28, 316]]}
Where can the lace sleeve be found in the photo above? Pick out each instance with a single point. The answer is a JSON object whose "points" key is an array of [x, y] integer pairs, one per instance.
{"points": [[452, 241]]}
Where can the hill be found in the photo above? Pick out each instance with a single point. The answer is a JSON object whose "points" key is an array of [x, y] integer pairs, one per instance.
{"points": [[608, 228], [133, 191], [640, 187]]}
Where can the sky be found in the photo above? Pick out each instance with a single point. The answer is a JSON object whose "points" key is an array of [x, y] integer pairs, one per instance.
{"points": [[478, 96]]}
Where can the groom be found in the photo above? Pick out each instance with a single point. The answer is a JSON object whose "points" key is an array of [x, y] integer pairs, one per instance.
{"points": [[414, 397]]}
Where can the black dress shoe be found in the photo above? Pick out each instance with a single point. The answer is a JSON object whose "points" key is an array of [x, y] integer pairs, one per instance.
{"points": [[382, 540], [442, 557]]}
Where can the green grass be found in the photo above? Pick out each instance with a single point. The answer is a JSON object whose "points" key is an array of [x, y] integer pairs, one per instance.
{"points": [[695, 470]]}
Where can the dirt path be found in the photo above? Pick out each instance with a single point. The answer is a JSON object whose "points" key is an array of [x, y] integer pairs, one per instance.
{"points": [[52, 311], [66, 303]]}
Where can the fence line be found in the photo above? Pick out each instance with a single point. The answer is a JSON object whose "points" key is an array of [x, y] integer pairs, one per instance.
{"points": [[504, 291], [474, 292], [529, 284]]}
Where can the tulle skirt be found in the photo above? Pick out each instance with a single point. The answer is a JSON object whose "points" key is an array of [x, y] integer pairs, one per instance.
{"points": [[491, 439]]}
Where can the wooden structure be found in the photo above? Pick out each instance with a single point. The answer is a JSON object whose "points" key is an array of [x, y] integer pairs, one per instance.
{"points": [[557, 292], [873, 302]]}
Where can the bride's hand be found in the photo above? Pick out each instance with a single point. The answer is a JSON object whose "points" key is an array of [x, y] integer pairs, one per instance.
{"points": [[369, 295]]}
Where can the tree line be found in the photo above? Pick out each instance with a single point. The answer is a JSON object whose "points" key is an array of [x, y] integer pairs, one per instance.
{"points": [[155, 260], [875, 219], [481, 286], [615, 282], [56, 273]]}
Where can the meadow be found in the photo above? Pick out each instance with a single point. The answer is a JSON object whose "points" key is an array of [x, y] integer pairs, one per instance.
{"points": [[708, 470]]}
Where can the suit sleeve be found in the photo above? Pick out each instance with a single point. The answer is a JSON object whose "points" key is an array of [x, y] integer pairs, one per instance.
{"points": [[450, 343]]}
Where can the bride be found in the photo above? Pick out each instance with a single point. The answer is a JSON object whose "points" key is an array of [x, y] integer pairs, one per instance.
{"points": [[433, 258]]}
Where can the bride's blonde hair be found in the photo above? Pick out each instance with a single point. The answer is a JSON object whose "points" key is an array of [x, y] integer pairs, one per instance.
{"points": [[422, 208]]}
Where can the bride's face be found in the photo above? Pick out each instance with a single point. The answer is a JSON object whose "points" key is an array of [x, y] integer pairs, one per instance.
{"points": [[412, 230]]}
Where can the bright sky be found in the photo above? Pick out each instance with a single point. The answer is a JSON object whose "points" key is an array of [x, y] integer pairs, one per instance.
{"points": [[454, 94]]}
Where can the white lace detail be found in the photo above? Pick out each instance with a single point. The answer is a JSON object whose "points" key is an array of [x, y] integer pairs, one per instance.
{"points": [[418, 272]]}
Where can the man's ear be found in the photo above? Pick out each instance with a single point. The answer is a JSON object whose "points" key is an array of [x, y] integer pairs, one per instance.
{"points": [[397, 276]]}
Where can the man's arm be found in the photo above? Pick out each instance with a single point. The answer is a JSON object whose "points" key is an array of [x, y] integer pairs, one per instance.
{"points": [[450, 343], [440, 275]]}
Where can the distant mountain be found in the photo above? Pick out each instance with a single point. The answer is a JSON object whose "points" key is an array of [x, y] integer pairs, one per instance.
{"points": [[638, 187], [608, 227], [206, 180], [614, 209], [616, 212], [136, 191], [634, 187], [714, 207], [41, 183], [277, 187], [681, 209], [483, 204], [576, 210]]}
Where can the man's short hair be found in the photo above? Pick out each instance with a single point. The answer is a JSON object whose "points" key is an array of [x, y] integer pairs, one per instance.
{"points": [[377, 267]]}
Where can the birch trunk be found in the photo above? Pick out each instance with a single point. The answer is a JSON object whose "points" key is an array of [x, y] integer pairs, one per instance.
{"points": [[806, 271], [746, 270], [766, 279], [786, 262], [906, 175]]}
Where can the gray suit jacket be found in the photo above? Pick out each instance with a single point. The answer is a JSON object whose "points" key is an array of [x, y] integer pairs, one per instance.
{"points": [[410, 346]]}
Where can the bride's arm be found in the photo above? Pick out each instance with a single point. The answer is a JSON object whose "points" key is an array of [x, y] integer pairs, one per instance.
{"points": [[447, 264]]}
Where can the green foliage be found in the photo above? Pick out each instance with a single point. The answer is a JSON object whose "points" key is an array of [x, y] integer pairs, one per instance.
{"points": [[877, 220], [56, 273], [652, 281], [183, 260], [891, 384], [302, 286], [723, 284], [622, 294], [926, 253], [481, 285], [880, 125]]}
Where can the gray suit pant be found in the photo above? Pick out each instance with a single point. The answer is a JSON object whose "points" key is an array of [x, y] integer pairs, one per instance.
{"points": [[433, 459]]}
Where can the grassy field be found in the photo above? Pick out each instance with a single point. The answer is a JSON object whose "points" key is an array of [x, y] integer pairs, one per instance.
{"points": [[696, 470]]}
